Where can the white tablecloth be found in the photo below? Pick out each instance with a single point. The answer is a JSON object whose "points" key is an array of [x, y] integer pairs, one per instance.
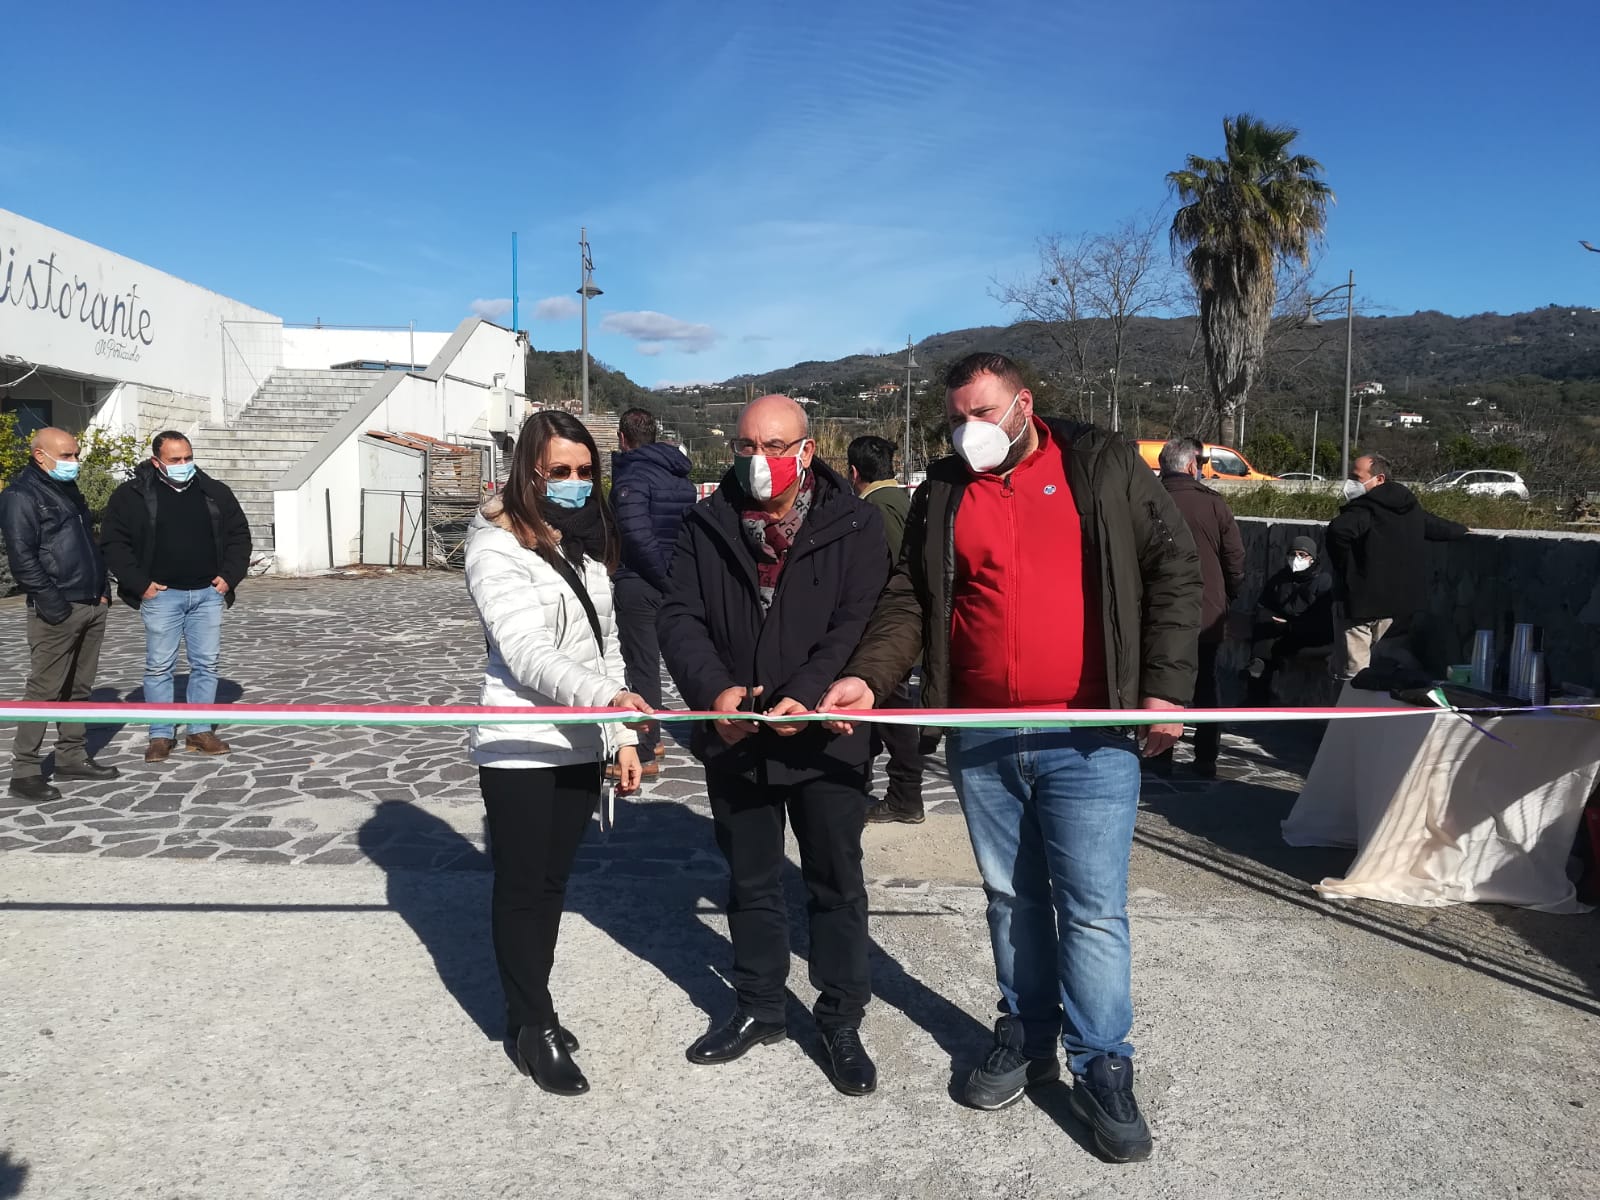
{"points": [[1441, 814]]}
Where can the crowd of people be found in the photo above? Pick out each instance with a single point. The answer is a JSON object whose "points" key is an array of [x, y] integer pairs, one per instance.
{"points": [[1042, 565]]}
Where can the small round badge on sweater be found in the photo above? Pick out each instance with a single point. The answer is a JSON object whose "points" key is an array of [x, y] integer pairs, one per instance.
{"points": [[1049, 489]]}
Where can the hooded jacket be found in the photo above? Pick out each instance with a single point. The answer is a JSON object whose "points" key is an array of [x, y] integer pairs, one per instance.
{"points": [[714, 635], [1375, 547], [128, 532], [542, 652], [650, 492], [50, 546], [1141, 551]]}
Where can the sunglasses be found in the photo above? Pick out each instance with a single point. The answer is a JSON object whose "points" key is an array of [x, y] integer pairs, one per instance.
{"points": [[562, 471]]}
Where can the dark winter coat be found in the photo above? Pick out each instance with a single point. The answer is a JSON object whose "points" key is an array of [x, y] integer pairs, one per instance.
{"points": [[50, 545], [1375, 547], [714, 635], [650, 492], [128, 532], [1142, 552], [1216, 537], [1293, 595]]}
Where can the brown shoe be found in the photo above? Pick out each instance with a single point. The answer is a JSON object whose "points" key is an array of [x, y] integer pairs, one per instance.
{"points": [[661, 750], [205, 743], [158, 750]]}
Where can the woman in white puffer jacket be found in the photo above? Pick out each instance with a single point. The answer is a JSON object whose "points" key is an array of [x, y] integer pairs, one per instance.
{"points": [[535, 554]]}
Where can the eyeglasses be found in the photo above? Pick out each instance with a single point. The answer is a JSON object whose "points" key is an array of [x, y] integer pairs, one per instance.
{"points": [[745, 447], [562, 471]]}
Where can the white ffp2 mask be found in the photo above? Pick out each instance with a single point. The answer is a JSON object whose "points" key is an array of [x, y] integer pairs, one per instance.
{"points": [[984, 444]]}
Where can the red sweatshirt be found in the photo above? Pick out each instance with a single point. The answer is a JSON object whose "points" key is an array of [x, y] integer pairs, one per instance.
{"points": [[1026, 628]]}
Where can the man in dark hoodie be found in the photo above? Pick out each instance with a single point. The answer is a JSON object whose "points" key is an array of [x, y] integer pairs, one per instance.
{"points": [[57, 565], [650, 492], [773, 579], [1216, 537], [1375, 546], [179, 545]]}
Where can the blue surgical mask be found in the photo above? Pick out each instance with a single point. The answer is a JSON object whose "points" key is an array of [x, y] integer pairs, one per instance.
{"points": [[63, 472], [180, 472], [568, 493]]}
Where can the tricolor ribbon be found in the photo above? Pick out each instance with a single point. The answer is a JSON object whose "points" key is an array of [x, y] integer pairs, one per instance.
{"points": [[471, 714]]}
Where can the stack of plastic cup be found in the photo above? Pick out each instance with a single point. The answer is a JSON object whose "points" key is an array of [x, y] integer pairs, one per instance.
{"points": [[1538, 687], [1521, 652], [1483, 660]]}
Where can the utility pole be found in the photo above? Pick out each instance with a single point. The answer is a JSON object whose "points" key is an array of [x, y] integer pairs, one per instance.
{"points": [[1349, 347], [905, 451], [587, 290]]}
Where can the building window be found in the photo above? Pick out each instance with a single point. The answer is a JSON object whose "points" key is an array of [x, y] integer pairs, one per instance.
{"points": [[32, 415]]}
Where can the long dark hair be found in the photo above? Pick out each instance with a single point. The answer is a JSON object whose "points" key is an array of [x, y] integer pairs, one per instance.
{"points": [[524, 489]]}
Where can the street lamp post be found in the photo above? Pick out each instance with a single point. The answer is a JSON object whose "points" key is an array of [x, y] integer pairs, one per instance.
{"points": [[1349, 290], [905, 454], [588, 291]]}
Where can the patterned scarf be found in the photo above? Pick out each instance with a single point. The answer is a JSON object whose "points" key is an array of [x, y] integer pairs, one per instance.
{"points": [[769, 538]]}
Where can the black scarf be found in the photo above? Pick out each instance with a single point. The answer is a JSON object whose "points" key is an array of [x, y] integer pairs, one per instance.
{"points": [[582, 530]]}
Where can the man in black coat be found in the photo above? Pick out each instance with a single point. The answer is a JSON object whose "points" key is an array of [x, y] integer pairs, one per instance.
{"points": [[1375, 545], [1216, 537], [772, 582], [179, 545], [650, 492], [56, 563], [1294, 613]]}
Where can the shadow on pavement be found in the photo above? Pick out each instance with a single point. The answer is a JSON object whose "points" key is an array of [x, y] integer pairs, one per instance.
{"points": [[13, 1174], [100, 736], [658, 846], [451, 922]]}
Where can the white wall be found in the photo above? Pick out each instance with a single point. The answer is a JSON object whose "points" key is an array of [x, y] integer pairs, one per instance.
{"points": [[319, 349], [73, 306]]}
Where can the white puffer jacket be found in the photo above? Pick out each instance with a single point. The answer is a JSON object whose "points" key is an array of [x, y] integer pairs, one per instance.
{"points": [[542, 652]]}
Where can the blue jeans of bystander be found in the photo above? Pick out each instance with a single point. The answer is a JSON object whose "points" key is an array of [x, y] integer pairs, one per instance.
{"points": [[194, 619]]}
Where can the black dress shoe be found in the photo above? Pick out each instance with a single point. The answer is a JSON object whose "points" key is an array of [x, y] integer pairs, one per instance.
{"points": [[33, 787], [734, 1037], [542, 1056], [568, 1038], [87, 769], [853, 1072]]}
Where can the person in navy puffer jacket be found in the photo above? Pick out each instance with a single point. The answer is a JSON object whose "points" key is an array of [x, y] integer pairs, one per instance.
{"points": [[650, 492]]}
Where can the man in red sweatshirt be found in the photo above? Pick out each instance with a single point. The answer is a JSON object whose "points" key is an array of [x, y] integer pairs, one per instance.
{"points": [[1044, 567]]}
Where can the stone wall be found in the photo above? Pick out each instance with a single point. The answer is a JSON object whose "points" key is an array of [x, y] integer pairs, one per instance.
{"points": [[1491, 580]]}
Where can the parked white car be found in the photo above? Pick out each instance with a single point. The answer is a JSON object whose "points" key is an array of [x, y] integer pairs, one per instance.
{"points": [[1482, 483], [1303, 477]]}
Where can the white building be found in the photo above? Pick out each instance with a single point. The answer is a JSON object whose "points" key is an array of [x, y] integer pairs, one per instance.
{"points": [[280, 413], [1409, 420]]}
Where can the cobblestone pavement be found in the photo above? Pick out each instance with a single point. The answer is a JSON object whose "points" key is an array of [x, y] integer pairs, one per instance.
{"points": [[331, 796]]}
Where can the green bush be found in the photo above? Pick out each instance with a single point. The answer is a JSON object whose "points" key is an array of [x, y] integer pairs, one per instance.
{"points": [[1478, 512]]}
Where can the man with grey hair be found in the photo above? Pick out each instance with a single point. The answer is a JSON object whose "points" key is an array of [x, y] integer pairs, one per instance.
{"points": [[1216, 537], [56, 562]]}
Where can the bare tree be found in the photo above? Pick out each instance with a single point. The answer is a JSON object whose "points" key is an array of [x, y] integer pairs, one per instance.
{"points": [[1088, 291]]}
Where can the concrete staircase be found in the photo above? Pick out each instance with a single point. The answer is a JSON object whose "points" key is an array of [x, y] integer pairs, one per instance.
{"points": [[285, 418]]}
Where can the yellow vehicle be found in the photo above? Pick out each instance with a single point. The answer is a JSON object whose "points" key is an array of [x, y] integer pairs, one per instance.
{"points": [[1221, 462]]}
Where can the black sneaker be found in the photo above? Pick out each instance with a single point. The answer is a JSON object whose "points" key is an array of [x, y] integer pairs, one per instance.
{"points": [[1007, 1071], [883, 812], [1103, 1099]]}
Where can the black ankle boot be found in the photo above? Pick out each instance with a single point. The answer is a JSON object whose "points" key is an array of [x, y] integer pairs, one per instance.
{"points": [[542, 1054]]}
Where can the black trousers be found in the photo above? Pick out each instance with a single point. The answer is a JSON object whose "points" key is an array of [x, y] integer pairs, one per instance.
{"points": [[903, 742], [1275, 644], [828, 815], [637, 605], [537, 818], [1208, 734]]}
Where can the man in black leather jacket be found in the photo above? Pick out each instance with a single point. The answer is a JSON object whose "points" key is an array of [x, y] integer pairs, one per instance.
{"points": [[56, 562]]}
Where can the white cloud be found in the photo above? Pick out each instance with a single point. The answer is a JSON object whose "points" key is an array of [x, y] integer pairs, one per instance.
{"points": [[654, 331], [490, 310], [557, 308]]}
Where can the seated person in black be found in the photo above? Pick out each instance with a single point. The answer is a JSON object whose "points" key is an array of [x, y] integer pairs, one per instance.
{"points": [[1295, 612]]}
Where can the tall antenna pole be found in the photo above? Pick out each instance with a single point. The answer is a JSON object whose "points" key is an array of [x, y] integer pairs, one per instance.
{"points": [[513, 282]]}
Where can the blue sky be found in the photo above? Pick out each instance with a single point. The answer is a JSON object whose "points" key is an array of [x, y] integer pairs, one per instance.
{"points": [[768, 182]]}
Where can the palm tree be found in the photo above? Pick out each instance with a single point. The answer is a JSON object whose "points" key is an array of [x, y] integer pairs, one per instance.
{"points": [[1240, 215]]}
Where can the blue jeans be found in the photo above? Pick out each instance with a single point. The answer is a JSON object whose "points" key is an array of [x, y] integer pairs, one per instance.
{"points": [[1051, 813], [195, 619]]}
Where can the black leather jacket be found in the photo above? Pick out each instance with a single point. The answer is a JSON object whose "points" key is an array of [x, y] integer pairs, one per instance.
{"points": [[50, 545]]}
